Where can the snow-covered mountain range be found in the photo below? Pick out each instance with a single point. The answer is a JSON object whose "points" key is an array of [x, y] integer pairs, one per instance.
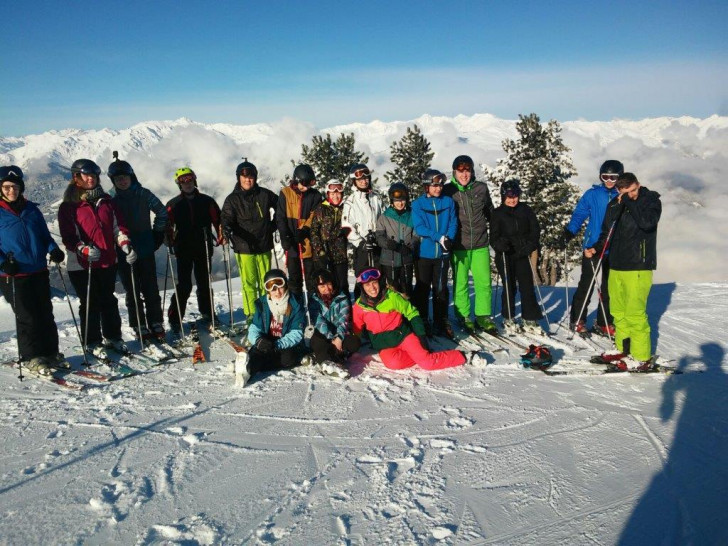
{"points": [[682, 158]]}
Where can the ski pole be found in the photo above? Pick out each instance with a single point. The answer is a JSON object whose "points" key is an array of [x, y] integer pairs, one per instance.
{"points": [[207, 235], [11, 259], [506, 287], [601, 300], [166, 275], [88, 306], [566, 291], [538, 290], [73, 315], [176, 294], [305, 288], [495, 292], [276, 241], [136, 305]]}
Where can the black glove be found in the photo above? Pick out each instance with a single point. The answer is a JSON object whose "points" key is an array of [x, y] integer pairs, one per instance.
{"points": [[502, 245], [9, 267], [403, 249], [227, 232], [265, 344], [566, 236], [447, 243], [303, 234], [391, 244], [424, 342], [370, 242], [57, 255], [158, 239]]}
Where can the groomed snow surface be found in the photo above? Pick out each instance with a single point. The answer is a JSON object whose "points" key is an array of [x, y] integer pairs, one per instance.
{"points": [[463, 456]]}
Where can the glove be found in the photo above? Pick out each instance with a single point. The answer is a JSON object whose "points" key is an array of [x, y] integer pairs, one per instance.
{"points": [[158, 239], [344, 232], [391, 244], [227, 232], [446, 243], [57, 255], [370, 242], [424, 342], [9, 267], [566, 236], [501, 245], [90, 252], [131, 255], [265, 344], [303, 234], [403, 249]]}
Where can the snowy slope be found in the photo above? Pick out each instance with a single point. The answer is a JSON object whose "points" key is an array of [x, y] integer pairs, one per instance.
{"points": [[463, 456], [682, 158]]}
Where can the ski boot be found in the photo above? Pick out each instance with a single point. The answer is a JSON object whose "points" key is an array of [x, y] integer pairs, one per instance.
{"points": [[334, 369], [307, 360], [537, 357], [631, 364], [466, 325], [98, 351], [39, 365], [146, 334], [612, 356], [511, 327], [59, 362], [158, 331], [486, 324], [446, 331], [242, 370], [532, 327], [604, 331], [117, 345], [580, 328]]}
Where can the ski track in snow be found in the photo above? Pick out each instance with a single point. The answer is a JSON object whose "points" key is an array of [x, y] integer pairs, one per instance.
{"points": [[492, 455]]}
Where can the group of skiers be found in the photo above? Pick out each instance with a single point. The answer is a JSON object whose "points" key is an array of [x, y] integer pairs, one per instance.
{"points": [[411, 241]]}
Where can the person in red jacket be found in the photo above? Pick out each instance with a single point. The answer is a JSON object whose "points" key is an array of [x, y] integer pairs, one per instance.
{"points": [[91, 228], [396, 329]]}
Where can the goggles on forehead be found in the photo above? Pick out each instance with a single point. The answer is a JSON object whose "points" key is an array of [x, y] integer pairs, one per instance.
{"points": [[512, 193], [399, 195], [437, 180], [368, 275], [277, 282], [360, 173], [463, 167], [610, 177]]}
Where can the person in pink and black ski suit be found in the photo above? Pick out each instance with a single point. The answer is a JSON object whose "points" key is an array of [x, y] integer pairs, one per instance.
{"points": [[395, 328]]}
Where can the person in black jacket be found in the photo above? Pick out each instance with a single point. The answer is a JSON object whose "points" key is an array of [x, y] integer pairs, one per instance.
{"points": [[630, 231], [248, 224], [191, 217], [514, 236]]}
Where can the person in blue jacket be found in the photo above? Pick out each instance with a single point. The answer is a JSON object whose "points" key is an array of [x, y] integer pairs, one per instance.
{"points": [[24, 280], [276, 333], [435, 222], [591, 209]]}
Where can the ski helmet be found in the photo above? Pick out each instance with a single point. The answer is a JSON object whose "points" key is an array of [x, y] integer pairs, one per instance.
{"points": [[85, 166], [433, 177], [463, 160], [14, 174], [360, 170], [510, 188], [246, 168], [274, 277], [398, 191], [334, 185], [323, 276], [183, 171], [303, 174], [611, 166]]}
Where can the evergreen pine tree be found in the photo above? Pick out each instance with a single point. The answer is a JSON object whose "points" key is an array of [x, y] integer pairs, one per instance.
{"points": [[332, 159], [541, 161], [411, 156]]}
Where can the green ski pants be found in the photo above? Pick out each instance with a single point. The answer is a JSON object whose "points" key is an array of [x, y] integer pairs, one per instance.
{"points": [[464, 262], [628, 292], [253, 268]]}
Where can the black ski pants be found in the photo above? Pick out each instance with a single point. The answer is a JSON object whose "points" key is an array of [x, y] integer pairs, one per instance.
{"points": [[273, 360], [585, 289], [148, 302], [36, 328], [400, 278], [186, 265], [432, 278], [103, 309], [323, 349], [517, 276]]}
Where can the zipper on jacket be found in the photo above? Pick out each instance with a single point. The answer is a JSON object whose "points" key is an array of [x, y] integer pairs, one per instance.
{"points": [[437, 228]]}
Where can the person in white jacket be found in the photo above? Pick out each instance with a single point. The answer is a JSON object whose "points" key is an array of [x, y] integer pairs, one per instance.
{"points": [[359, 215]]}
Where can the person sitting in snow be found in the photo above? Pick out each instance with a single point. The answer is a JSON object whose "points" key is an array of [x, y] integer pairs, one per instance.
{"points": [[276, 333], [396, 329], [332, 339]]}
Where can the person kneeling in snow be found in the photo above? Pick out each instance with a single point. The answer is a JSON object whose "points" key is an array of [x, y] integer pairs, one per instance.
{"points": [[396, 329], [332, 341], [276, 333]]}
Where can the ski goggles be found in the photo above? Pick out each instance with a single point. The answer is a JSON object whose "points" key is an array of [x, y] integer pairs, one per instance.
{"points": [[437, 180], [360, 173], [512, 193], [337, 188], [186, 178], [464, 167], [277, 282], [368, 275], [248, 172], [610, 177], [399, 195], [307, 183]]}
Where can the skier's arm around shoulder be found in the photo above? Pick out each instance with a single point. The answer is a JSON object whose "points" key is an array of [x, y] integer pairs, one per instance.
{"points": [[646, 210]]}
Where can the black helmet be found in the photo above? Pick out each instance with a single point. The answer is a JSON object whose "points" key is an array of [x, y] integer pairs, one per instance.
{"points": [[119, 167], [398, 191], [611, 166], [85, 166], [246, 168], [359, 170], [463, 160], [303, 174], [14, 174], [510, 188], [272, 275], [433, 177]]}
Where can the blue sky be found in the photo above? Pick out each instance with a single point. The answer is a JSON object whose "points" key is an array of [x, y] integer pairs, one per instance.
{"points": [[94, 64]]}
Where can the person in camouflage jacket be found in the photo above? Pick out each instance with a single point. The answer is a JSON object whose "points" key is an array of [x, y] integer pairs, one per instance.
{"points": [[328, 239]]}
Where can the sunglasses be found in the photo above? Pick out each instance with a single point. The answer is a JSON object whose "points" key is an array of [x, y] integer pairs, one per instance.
{"points": [[368, 275], [186, 178], [278, 282], [610, 177], [463, 167], [248, 173], [360, 173]]}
